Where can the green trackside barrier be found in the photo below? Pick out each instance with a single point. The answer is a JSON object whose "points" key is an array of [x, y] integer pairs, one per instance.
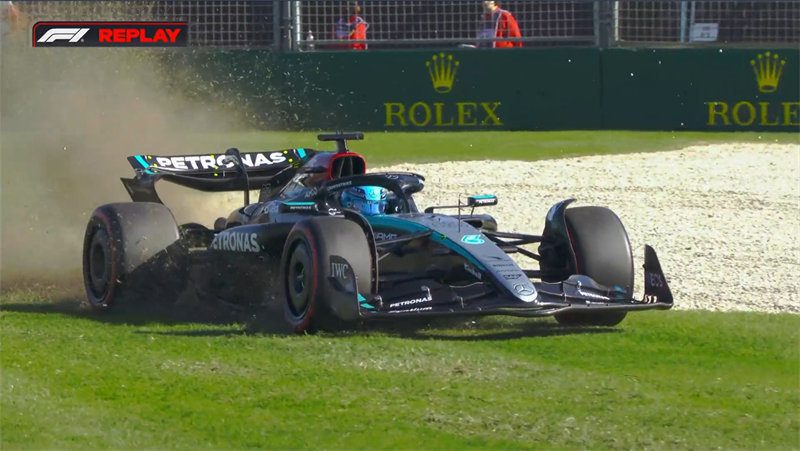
{"points": [[407, 90], [521, 89], [701, 89], [449, 90]]}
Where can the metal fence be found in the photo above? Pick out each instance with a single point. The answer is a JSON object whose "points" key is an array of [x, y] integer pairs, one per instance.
{"points": [[727, 22], [415, 23], [306, 25]]}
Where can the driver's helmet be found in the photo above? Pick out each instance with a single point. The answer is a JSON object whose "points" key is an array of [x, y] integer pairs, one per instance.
{"points": [[369, 200]]}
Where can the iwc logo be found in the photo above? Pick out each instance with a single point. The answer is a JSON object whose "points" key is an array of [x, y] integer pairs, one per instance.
{"points": [[765, 109], [442, 69]]}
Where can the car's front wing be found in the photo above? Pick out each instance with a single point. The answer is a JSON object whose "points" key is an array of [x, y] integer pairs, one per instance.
{"points": [[577, 293]]}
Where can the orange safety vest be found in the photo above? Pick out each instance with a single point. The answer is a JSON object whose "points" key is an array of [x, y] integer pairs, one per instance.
{"points": [[500, 24], [354, 29]]}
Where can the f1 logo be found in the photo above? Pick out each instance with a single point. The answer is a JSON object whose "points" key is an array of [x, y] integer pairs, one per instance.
{"points": [[110, 34], [63, 34]]}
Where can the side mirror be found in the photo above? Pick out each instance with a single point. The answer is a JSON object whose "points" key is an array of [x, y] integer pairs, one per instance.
{"points": [[479, 200], [482, 200]]}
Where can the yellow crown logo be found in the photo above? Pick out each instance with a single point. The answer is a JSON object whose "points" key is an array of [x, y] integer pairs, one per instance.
{"points": [[768, 71], [442, 69]]}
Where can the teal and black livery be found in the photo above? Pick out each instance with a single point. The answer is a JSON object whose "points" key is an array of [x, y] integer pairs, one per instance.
{"points": [[331, 266]]}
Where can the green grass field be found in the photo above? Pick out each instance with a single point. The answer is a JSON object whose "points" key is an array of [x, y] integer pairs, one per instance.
{"points": [[74, 379], [382, 148], [664, 380]]}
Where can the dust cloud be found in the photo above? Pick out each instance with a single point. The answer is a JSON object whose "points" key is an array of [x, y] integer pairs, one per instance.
{"points": [[68, 120]]}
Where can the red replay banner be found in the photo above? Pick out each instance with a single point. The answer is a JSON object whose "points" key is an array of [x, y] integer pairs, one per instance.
{"points": [[110, 34]]}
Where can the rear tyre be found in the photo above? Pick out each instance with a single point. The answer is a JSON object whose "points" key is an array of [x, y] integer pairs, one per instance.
{"points": [[306, 272], [131, 250], [602, 252]]}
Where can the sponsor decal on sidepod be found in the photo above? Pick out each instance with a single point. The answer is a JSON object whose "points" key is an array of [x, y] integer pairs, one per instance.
{"points": [[236, 242]]}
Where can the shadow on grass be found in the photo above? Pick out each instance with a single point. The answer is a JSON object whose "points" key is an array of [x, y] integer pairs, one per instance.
{"points": [[135, 315], [481, 329], [268, 320], [250, 320]]}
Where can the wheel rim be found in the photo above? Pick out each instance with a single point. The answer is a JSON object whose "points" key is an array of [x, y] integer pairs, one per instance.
{"points": [[298, 280], [299, 283], [99, 262]]}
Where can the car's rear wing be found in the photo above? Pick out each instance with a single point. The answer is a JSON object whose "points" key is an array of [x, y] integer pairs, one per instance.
{"points": [[217, 165], [212, 172]]}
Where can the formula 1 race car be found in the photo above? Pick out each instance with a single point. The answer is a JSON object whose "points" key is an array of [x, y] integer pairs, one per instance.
{"points": [[348, 246]]}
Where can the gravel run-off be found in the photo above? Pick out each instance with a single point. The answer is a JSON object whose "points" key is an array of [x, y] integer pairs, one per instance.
{"points": [[724, 219]]}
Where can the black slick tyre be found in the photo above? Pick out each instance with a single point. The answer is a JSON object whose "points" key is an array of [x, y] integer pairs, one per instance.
{"points": [[131, 250], [306, 266], [602, 252]]}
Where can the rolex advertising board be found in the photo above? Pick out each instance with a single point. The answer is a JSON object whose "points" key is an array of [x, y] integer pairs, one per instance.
{"points": [[762, 109], [518, 89], [448, 90], [702, 89]]}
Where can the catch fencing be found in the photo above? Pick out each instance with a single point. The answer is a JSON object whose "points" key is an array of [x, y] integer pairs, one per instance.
{"points": [[306, 25]]}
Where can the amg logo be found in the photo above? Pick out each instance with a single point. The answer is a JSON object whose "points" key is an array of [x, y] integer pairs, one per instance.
{"points": [[63, 34], [339, 270], [236, 242], [383, 236]]}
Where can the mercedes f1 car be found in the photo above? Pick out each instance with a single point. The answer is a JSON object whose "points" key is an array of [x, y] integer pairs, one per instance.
{"points": [[346, 246]]}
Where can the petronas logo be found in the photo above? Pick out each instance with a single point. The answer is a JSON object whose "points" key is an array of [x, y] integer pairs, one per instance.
{"points": [[442, 69], [768, 68]]}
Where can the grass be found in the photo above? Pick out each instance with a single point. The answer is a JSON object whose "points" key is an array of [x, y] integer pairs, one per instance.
{"points": [[381, 148], [663, 379]]}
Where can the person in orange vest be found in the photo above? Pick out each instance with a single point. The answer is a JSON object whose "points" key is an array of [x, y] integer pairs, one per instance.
{"points": [[353, 27], [498, 23]]}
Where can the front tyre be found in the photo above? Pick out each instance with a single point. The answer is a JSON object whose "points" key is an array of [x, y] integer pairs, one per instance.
{"points": [[602, 252]]}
